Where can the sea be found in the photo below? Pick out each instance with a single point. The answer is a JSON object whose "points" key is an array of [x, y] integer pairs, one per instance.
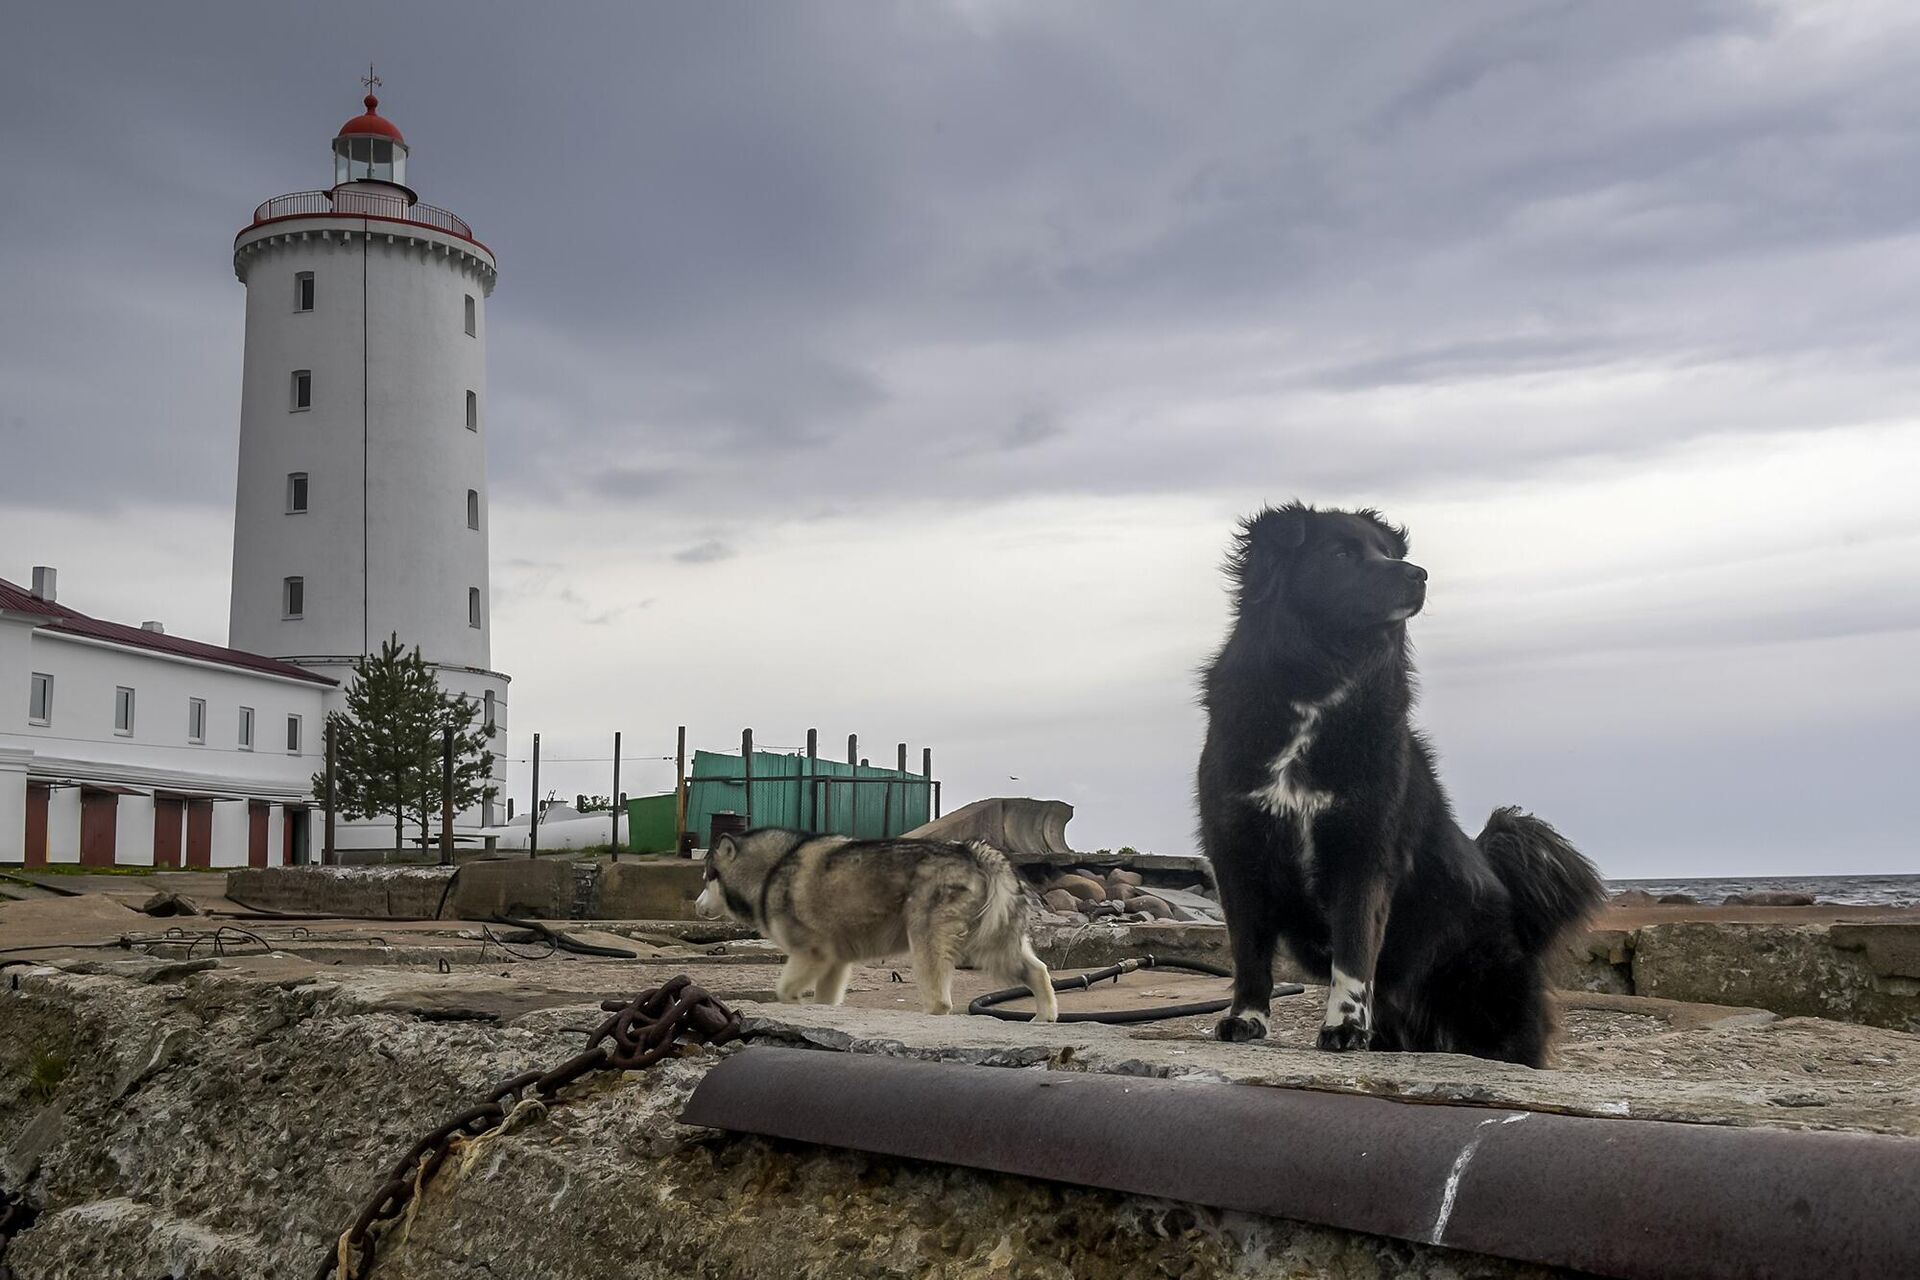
{"points": [[1863, 891]]}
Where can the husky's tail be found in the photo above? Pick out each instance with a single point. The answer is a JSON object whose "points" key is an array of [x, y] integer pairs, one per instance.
{"points": [[1001, 924], [1553, 885], [999, 943]]}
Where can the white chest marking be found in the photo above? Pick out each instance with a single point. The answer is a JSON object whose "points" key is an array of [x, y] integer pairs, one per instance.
{"points": [[1286, 793]]}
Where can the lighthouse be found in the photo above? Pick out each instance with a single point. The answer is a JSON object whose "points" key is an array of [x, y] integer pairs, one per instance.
{"points": [[361, 508]]}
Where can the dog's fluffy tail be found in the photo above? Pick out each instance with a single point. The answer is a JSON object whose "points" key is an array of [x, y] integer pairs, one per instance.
{"points": [[1553, 885], [1001, 926]]}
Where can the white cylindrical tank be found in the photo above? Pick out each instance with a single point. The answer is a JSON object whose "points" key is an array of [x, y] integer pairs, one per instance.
{"points": [[361, 509]]}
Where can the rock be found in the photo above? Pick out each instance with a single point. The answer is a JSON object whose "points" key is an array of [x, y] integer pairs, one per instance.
{"points": [[1634, 898], [1061, 900], [1122, 891], [169, 904], [1769, 898], [1085, 888], [1124, 876], [1152, 906], [1188, 905], [1679, 900]]}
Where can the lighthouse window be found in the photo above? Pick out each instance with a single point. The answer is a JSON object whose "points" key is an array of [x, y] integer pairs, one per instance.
{"points": [[302, 389], [293, 735], [296, 493], [473, 606], [196, 720], [473, 508], [473, 412], [40, 699], [303, 291], [470, 317], [293, 597], [123, 711], [246, 728]]}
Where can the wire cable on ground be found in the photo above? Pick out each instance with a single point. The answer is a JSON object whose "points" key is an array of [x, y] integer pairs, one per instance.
{"points": [[1084, 982]]}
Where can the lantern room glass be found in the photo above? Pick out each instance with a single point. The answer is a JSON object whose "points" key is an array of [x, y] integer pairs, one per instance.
{"points": [[369, 159]]}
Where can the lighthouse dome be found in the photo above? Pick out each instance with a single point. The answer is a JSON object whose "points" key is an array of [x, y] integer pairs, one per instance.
{"points": [[371, 123]]}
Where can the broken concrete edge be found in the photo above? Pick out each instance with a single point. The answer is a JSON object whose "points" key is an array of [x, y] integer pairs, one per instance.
{"points": [[1371, 1165]]}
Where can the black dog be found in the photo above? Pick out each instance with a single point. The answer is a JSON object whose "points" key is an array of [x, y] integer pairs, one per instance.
{"points": [[1327, 827]]}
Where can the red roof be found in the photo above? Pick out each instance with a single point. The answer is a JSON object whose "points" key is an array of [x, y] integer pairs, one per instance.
{"points": [[372, 122], [74, 623]]}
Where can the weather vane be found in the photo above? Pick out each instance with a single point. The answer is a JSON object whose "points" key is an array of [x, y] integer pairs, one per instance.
{"points": [[370, 80]]}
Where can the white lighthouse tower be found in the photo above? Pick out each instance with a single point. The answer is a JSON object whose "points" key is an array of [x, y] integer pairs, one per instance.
{"points": [[362, 502]]}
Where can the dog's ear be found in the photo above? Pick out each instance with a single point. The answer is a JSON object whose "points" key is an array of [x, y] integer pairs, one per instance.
{"points": [[1266, 542], [723, 850], [1396, 533]]}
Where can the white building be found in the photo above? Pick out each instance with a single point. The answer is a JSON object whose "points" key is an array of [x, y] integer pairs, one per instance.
{"points": [[124, 745], [361, 511], [362, 505]]}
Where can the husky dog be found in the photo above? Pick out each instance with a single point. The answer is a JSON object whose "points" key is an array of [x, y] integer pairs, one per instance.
{"points": [[829, 901], [1327, 826]]}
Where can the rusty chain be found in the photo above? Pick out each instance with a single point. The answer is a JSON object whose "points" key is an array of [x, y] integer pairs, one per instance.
{"points": [[637, 1034]]}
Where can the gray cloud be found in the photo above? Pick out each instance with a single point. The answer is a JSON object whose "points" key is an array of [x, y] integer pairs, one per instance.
{"points": [[705, 552]]}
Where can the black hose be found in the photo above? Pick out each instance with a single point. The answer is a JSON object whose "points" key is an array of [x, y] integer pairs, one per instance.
{"points": [[1084, 982], [566, 942]]}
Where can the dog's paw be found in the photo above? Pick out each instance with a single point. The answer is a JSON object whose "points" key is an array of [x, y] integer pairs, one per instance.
{"points": [[1345, 1037], [1238, 1027]]}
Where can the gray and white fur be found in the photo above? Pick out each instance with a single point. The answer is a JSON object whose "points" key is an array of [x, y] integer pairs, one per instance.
{"points": [[830, 902]]}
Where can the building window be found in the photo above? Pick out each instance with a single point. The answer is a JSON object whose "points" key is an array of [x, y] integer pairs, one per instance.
{"points": [[196, 720], [296, 493], [123, 711], [293, 597], [473, 606], [488, 719], [473, 412], [473, 508], [246, 728], [470, 316], [40, 699], [302, 389], [293, 735], [303, 291]]}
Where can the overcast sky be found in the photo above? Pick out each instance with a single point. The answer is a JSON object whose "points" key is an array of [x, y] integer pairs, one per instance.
{"points": [[900, 369]]}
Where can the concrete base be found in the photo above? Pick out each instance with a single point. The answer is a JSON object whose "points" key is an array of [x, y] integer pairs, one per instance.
{"points": [[647, 889]]}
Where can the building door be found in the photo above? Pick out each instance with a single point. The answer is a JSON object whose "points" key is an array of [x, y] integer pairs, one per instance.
{"points": [[99, 820], [38, 793], [257, 811], [294, 852], [199, 833], [169, 814]]}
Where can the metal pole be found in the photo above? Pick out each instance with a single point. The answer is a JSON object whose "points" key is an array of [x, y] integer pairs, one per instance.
{"points": [[853, 793], [446, 796], [616, 797], [926, 771], [746, 759], [533, 814], [813, 770], [680, 794], [327, 854], [936, 800]]}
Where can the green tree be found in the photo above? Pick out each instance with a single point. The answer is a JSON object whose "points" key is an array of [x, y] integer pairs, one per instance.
{"points": [[387, 743]]}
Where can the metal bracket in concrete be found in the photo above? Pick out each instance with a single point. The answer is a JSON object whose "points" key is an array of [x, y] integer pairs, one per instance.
{"points": [[1629, 1198]]}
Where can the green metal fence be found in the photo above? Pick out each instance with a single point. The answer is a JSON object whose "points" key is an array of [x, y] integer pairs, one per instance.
{"points": [[650, 824], [785, 794]]}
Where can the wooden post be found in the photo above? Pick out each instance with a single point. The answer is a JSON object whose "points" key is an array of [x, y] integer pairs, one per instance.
{"points": [[746, 760], [813, 771], [327, 854], [616, 797], [680, 794], [533, 814], [446, 797], [853, 791]]}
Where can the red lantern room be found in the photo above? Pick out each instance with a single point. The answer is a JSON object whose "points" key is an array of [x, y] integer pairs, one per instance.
{"points": [[369, 148]]}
